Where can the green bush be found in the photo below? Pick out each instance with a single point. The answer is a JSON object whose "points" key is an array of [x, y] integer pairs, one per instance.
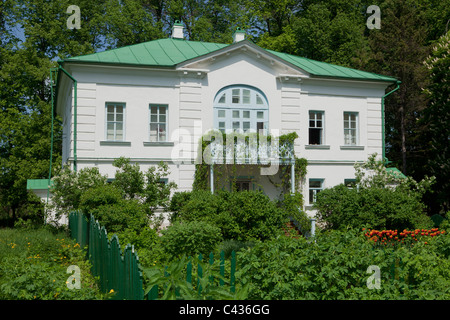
{"points": [[200, 205], [246, 215], [377, 208], [190, 238], [127, 218], [178, 200], [250, 215]]}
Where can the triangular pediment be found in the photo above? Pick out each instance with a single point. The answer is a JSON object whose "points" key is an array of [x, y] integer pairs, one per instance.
{"points": [[245, 50]]}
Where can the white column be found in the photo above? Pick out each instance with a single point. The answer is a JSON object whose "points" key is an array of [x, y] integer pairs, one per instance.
{"points": [[211, 177]]}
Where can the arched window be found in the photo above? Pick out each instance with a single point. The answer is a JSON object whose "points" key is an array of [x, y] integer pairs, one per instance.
{"points": [[241, 108]]}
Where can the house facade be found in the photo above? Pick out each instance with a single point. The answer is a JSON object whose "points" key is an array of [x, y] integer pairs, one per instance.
{"points": [[153, 101]]}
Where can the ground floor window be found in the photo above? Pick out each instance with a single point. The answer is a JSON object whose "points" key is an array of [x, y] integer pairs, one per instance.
{"points": [[350, 183], [315, 186], [243, 185]]}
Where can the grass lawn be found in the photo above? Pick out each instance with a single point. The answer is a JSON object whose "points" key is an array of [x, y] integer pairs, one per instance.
{"points": [[34, 263]]}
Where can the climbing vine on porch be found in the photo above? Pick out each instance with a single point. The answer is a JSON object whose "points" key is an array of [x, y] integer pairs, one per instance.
{"points": [[201, 176]]}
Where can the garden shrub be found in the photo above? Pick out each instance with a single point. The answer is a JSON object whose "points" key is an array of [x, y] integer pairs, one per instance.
{"points": [[245, 215], [178, 200], [200, 205], [253, 216], [127, 218], [378, 208], [190, 238], [379, 200]]}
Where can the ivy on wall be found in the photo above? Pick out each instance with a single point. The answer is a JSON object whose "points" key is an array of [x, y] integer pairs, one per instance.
{"points": [[201, 177]]}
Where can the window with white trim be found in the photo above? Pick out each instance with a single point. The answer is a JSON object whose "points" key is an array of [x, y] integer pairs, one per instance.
{"points": [[158, 123], [241, 109], [115, 121], [315, 186], [350, 128], [316, 127]]}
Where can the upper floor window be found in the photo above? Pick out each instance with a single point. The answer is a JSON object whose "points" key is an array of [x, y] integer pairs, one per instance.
{"points": [[316, 127], [241, 109], [115, 121], [158, 123], [351, 128]]}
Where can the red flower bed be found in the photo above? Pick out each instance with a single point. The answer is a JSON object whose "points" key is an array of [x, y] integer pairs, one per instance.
{"points": [[405, 237]]}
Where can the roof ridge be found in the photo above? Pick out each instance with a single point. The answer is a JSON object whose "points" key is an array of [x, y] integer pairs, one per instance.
{"points": [[160, 54]]}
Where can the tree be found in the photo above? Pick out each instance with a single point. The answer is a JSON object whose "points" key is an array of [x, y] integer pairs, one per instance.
{"points": [[33, 35], [436, 119], [331, 32], [398, 49], [130, 22]]}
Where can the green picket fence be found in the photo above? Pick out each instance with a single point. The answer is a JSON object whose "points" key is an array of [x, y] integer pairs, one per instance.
{"points": [[120, 270], [117, 270]]}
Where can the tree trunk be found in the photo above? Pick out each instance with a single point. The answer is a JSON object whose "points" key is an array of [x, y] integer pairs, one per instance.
{"points": [[403, 137]]}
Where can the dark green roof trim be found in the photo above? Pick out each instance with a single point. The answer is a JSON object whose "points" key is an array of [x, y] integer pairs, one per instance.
{"points": [[168, 53], [396, 173]]}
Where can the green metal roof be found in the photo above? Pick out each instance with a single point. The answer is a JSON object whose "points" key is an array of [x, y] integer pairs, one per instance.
{"points": [[163, 53], [170, 52], [396, 173], [324, 69], [38, 184]]}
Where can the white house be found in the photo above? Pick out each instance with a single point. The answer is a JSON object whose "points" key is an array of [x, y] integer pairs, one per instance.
{"points": [[143, 100]]}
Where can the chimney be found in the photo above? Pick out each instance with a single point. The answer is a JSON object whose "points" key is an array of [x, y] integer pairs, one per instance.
{"points": [[177, 30], [238, 35]]}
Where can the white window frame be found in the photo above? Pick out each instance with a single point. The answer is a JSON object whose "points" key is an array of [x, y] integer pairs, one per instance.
{"points": [[245, 100], [355, 130], [322, 127], [158, 123], [314, 190], [115, 104]]}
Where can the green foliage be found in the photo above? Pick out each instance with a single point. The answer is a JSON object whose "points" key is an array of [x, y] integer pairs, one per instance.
{"points": [[33, 265], [126, 218], [68, 187], [292, 204], [128, 177], [172, 281], [250, 215], [178, 200], [334, 266], [378, 208], [228, 246], [147, 186], [246, 215], [436, 118], [379, 201], [125, 207], [190, 238], [332, 33]]}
